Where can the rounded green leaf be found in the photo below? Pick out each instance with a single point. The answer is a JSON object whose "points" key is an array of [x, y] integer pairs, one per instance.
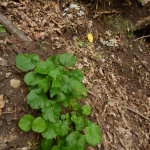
{"points": [[43, 67], [61, 97], [39, 125], [2, 30], [26, 62], [75, 141], [65, 86], [45, 83], [53, 91], [55, 83], [67, 101], [92, 134], [57, 147], [37, 98], [25, 122], [68, 60], [78, 88], [76, 74], [32, 78], [79, 122], [51, 130], [63, 129], [51, 111], [73, 113], [54, 73], [87, 122], [63, 117], [46, 144], [86, 109], [32, 87]]}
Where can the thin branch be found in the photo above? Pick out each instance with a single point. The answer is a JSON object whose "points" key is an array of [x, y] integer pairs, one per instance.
{"points": [[12, 29], [137, 113], [142, 37], [7, 112], [103, 139]]}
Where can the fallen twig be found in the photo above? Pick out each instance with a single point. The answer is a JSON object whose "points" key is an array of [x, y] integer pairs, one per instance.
{"points": [[104, 110], [103, 139], [12, 29], [91, 93], [142, 37], [7, 112], [120, 140], [137, 113], [141, 62]]}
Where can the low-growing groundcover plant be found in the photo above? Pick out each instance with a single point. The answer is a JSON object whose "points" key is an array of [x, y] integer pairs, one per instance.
{"points": [[2, 28], [64, 87]]}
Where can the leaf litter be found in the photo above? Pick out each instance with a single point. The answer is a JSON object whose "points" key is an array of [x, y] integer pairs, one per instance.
{"points": [[115, 121]]}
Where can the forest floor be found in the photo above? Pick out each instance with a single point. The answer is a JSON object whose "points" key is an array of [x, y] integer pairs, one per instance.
{"points": [[116, 67]]}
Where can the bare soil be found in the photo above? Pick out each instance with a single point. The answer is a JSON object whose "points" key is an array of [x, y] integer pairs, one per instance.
{"points": [[120, 88]]}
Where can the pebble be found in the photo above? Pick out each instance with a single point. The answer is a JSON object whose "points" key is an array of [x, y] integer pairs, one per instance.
{"points": [[7, 74], [14, 83]]}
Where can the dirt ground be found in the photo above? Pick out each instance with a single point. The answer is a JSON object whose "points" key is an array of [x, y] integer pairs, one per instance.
{"points": [[118, 73]]}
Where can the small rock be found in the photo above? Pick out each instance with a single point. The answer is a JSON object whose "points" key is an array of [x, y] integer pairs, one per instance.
{"points": [[8, 74], [3, 62], [103, 60], [8, 109], [6, 101], [75, 38], [19, 110], [14, 83], [13, 130]]}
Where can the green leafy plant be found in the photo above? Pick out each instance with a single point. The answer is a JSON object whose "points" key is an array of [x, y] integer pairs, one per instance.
{"points": [[41, 45], [83, 44], [87, 70], [131, 48], [13, 44], [123, 26], [52, 77], [106, 101], [2, 28]]}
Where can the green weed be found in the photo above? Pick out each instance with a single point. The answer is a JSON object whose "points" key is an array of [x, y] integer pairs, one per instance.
{"points": [[2, 28], [52, 77]]}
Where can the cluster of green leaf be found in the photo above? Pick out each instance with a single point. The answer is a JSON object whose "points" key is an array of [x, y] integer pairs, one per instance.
{"points": [[2, 28], [41, 44], [122, 25], [64, 87]]}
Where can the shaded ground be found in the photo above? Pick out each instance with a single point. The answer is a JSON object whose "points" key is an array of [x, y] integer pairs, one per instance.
{"points": [[117, 75]]}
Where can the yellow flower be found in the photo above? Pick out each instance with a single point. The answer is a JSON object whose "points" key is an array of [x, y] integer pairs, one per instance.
{"points": [[90, 37]]}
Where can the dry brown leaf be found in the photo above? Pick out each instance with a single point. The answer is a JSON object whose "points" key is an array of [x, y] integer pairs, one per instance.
{"points": [[23, 3], [2, 102], [9, 41]]}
